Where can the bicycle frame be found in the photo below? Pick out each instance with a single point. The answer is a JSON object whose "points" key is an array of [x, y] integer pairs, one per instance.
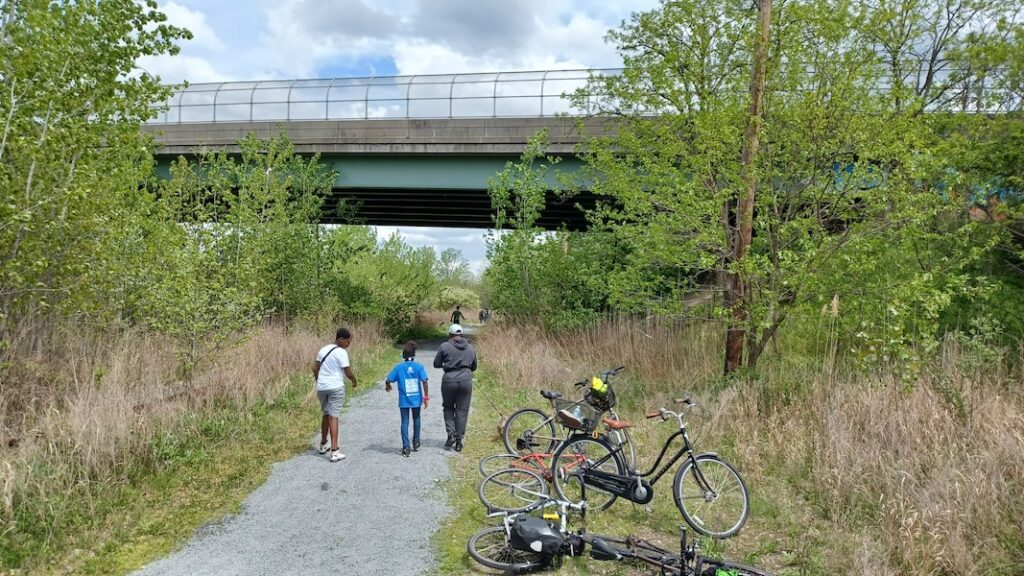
{"points": [[629, 486]]}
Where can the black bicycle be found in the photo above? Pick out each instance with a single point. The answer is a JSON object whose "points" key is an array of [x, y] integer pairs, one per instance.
{"points": [[524, 543], [688, 562], [708, 491]]}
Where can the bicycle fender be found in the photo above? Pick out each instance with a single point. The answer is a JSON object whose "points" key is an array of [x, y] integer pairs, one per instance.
{"points": [[712, 454]]}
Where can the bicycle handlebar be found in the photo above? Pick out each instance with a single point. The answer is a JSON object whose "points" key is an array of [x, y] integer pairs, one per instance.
{"points": [[665, 413], [604, 375]]}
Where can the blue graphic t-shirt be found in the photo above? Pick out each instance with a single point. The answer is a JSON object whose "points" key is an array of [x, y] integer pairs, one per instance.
{"points": [[409, 376]]}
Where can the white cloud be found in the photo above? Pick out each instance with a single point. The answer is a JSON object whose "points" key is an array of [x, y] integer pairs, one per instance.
{"points": [[177, 69], [195, 21], [468, 241]]}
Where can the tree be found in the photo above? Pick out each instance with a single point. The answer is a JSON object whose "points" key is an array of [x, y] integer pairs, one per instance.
{"points": [[71, 153], [559, 278], [682, 106], [740, 215], [452, 268], [237, 241]]}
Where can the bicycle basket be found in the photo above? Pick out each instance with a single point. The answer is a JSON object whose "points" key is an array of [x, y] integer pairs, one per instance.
{"points": [[602, 402], [576, 415]]}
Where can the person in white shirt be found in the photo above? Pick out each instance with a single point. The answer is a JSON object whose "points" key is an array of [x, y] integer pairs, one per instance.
{"points": [[329, 372]]}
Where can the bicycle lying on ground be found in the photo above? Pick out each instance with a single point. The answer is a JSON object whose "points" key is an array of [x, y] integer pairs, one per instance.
{"points": [[531, 430], [708, 491], [524, 543]]}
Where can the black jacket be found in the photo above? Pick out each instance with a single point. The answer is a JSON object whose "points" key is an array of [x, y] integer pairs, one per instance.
{"points": [[457, 358]]}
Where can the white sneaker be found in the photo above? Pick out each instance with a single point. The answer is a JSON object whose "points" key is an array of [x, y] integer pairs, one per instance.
{"points": [[325, 447], [337, 456]]}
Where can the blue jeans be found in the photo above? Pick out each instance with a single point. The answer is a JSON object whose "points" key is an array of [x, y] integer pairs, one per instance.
{"points": [[405, 425]]}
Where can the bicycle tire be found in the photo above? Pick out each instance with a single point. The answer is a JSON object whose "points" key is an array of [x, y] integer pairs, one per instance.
{"points": [[723, 568], [528, 425], [565, 480], [491, 464], [490, 547], [513, 490], [712, 512]]}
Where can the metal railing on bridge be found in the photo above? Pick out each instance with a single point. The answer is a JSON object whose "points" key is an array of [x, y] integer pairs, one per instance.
{"points": [[477, 95]]}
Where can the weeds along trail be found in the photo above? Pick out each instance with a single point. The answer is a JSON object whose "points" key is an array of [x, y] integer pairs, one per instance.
{"points": [[847, 468], [87, 415]]}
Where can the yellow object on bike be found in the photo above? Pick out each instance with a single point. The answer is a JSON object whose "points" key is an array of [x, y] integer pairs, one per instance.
{"points": [[598, 386], [551, 516]]}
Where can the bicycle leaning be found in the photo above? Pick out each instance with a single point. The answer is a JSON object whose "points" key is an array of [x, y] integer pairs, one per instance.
{"points": [[531, 430], [708, 491]]}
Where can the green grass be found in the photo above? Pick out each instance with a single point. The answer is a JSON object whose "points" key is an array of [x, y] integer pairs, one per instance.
{"points": [[194, 477], [421, 332]]}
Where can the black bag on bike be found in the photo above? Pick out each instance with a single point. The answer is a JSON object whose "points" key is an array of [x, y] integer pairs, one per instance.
{"points": [[532, 534]]}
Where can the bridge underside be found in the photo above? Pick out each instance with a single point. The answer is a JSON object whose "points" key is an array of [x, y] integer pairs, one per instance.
{"points": [[442, 208], [445, 190]]}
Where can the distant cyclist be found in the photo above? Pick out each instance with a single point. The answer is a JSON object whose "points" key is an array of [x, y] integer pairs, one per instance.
{"points": [[457, 316]]}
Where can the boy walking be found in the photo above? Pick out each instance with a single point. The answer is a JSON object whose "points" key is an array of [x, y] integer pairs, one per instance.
{"points": [[330, 369], [411, 378]]}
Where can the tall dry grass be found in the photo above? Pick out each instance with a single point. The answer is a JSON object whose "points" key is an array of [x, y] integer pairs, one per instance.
{"points": [[80, 409], [654, 351], [926, 476]]}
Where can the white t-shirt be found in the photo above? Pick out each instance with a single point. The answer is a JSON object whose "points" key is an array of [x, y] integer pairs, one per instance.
{"points": [[332, 369]]}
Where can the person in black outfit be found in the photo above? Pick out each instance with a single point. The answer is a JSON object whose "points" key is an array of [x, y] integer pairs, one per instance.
{"points": [[457, 359], [457, 316]]}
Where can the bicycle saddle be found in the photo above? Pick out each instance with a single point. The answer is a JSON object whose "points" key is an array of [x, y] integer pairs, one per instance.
{"points": [[616, 424], [550, 394]]}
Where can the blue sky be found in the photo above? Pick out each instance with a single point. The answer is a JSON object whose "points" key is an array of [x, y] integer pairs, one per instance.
{"points": [[277, 39]]}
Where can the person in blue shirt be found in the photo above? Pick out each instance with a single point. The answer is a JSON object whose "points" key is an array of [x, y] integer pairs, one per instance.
{"points": [[411, 379]]}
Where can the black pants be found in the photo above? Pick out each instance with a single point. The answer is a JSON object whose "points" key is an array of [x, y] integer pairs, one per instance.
{"points": [[455, 397]]}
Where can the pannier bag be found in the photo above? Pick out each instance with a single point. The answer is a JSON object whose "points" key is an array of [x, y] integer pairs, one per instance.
{"points": [[532, 534]]}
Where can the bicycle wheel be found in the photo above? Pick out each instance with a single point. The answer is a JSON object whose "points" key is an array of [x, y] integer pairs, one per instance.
{"points": [[573, 458], [718, 505], [529, 430], [491, 464], [721, 568], [490, 547], [513, 490]]}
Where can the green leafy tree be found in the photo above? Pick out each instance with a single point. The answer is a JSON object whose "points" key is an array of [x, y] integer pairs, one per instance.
{"points": [[388, 281], [844, 172], [560, 278], [71, 153], [238, 241]]}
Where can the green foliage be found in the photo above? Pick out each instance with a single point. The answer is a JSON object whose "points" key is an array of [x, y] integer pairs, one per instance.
{"points": [[72, 155], [452, 296], [236, 241], [387, 281], [560, 278]]}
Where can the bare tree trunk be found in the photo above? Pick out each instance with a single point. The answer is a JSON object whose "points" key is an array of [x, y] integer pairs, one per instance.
{"points": [[737, 292]]}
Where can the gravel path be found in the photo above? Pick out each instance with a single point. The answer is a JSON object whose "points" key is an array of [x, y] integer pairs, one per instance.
{"points": [[372, 513]]}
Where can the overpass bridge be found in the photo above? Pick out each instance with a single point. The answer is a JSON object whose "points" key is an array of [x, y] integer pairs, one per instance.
{"points": [[409, 150]]}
